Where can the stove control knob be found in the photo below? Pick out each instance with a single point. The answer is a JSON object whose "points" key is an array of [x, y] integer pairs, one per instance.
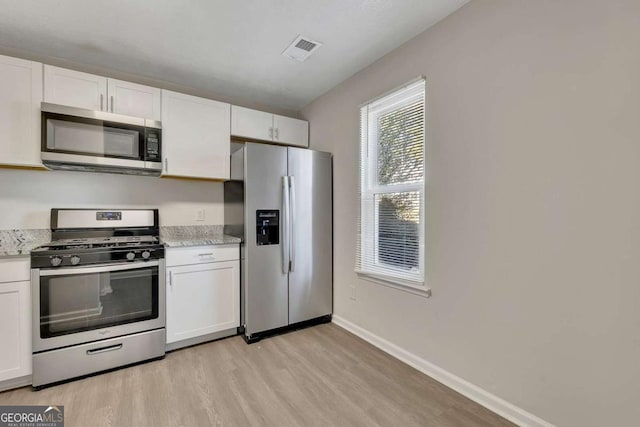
{"points": [[75, 260], [131, 256], [56, 261], [146, 254]]}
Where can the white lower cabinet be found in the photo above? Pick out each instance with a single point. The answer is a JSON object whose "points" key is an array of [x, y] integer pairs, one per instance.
{"points": [[203, 293], [15, 319]]}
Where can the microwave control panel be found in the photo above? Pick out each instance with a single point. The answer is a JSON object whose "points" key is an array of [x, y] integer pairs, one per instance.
{"points": [[152, 137], [108, 216]]}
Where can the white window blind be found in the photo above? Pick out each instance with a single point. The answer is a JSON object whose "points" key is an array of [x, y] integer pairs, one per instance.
{"points": [[390, 243]]}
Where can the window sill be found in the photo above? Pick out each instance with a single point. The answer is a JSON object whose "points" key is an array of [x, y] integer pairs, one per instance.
{"points": [[422, 291]]}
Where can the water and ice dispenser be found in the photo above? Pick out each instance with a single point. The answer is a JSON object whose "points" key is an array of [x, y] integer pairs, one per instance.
{"points": [[267, 227]]}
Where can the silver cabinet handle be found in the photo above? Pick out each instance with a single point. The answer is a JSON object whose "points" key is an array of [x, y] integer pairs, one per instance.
{"points": [[292, 226], [166, 164], [285, 224], [271, 133], [207, 254], [277, 133], [101, 102], [104, 349], [171, 279], [112, 103]]}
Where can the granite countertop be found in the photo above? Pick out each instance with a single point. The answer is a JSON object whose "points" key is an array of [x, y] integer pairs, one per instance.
{"points": [[195, 235], [21, 242]]}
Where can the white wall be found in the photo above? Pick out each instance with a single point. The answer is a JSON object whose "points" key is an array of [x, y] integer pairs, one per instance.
{"points": [[533, 204], [27, 196]]}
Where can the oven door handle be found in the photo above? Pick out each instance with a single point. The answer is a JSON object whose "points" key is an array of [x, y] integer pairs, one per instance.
{"points": [[69, 271], [104, 349]]}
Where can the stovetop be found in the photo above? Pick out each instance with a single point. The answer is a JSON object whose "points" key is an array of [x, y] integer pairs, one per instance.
{"points": [[83, 237], [65, 254], [78, 252]]}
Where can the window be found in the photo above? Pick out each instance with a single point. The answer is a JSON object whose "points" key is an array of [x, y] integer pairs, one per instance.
{"points": [[391, 224]]}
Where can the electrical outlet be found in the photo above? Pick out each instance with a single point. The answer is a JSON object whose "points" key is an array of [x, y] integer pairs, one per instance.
{"points": [[200, 215], [353, 293]]}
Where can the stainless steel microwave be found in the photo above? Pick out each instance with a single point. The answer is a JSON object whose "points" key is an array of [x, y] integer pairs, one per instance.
{"points": [[86, 140]]}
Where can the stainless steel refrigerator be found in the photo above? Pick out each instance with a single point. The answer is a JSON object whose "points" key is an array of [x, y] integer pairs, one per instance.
{"points": [[279, 201]]}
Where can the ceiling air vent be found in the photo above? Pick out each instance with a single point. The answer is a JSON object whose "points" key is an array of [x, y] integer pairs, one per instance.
{"points": [[301, 48]]}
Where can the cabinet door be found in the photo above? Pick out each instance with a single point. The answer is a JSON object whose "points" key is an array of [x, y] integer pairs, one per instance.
{"points": [[202, 299], [251, 124], [290, 131], [75, 89], [195, 136], [15, 330], [133, 99], [20, 98]]}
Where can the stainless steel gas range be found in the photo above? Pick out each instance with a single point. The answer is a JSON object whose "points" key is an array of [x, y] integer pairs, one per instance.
{"points": [[98, 293]]}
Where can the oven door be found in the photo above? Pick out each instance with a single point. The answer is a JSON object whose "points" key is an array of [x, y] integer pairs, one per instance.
{"points": [[77, 305]]}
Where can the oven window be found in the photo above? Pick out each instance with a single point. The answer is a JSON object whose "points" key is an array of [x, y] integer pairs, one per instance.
{"points": [[81, 302]]}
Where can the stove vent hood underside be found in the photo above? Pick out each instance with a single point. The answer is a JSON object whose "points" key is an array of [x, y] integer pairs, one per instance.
{"points": [[73, 162]]}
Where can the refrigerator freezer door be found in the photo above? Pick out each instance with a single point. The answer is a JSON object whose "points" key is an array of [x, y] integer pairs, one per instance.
{"points": [[311, 275], [266, 287]]}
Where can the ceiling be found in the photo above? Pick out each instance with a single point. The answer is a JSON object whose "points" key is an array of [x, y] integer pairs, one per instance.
{"points": [[228, 47]]}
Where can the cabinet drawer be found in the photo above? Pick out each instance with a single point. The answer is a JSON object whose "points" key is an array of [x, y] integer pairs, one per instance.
{"points": [[14, 269], [202, 254]]}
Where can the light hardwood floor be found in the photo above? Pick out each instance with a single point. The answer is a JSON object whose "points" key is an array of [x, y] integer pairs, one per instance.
{"points": [[320, 376]]}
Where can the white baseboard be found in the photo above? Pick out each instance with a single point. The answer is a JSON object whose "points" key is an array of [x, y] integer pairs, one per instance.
{"points": [[15, 383], [490, 401]]}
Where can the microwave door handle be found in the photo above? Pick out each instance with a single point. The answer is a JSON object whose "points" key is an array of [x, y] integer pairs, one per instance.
{"points": [[143, 145], [70, 271]]}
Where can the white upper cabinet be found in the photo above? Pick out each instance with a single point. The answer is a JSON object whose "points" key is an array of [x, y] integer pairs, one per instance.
{"points": [[132, 99], [254, 124], [83, 90], [74, 88], [20, 98], [195, 136], [290, 131]]}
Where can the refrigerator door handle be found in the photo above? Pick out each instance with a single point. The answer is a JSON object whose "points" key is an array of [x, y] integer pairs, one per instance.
{"points": [[285, 224], [292, 227]]}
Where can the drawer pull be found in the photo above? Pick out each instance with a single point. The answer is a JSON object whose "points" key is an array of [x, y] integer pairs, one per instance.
{"points": [[104, 349], [209, 254]]}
